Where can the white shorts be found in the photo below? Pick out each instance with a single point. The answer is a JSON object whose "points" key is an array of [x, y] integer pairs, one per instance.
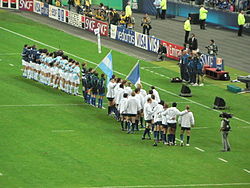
{"points": [[24, 63]]}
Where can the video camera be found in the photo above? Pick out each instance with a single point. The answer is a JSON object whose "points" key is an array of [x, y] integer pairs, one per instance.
{"points": [[226, 115]]}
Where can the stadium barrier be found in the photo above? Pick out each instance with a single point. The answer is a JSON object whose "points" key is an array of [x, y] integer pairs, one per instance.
{"points": [[12, 4]]}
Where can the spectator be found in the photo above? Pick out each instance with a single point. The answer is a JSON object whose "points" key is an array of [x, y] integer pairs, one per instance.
{"points": [[58, 3], [162, 51], [157, 4], [164, 9], [212, 49], [128, 10], [122, 21], [114, 17], [241, 22], [203, 17], [130, 22], [187, 29], [145, 23], [193, 43]]}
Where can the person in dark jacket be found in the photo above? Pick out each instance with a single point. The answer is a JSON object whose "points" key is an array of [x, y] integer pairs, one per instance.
{"points": [[162, 51], [193, 43]]}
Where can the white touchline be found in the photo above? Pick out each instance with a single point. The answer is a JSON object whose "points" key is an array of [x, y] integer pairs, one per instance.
{"points": [[223, 160], [199, 149], [200, 128], [62, 131], [1, 174], [40, 105], [164, 90], [7, 54], [151, 67], [169, 186], [11, 65], [248, 171]]}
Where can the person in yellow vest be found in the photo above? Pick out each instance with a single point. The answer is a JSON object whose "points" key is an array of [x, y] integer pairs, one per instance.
{"points": [[128, 10], [187, 29], [87, 4], [203, 17], [58, 3], [122, 21], [163, 9], [241, 22]]}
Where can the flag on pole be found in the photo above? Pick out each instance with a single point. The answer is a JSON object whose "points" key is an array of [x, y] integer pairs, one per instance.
{"points": [[106, 66], [134, 75]]}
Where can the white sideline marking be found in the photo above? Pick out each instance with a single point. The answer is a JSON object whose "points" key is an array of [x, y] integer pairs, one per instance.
{"points": [[168, 186], [7, 54], [248, 171], [11, 65], [62, 131], [40, 105], [164, 90], [225, 161], [151, 67], [200, 128], [1, 174], [199, 149], [156, 73]]}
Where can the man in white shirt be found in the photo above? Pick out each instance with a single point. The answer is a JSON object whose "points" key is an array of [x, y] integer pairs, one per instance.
{"points": [[128, 89], [140, 100], [172, 113], [122, 111], [186, 121], [148, 117], [164, 123], [156, 94], [132, 109], [158, 109], [111, 95]]}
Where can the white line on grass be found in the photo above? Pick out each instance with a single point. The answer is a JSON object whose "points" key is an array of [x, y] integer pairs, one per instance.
{"points": [[148, 84], [248, 171], [40, 105], [8, 54], [151, 67], [1, 174], [225, 161], [199, 149], [11, 65], [200, 128], [62, 131], [169, 186]]}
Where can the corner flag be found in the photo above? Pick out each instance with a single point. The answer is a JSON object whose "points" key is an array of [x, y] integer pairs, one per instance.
{"points": [[134, 75], [106, 66]]}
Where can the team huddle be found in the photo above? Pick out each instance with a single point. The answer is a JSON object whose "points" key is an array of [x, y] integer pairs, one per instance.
{"points": [[134, 108], [53, 69]]}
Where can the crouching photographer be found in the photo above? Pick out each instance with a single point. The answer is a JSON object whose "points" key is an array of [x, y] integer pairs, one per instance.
{"points": [[225, 128]]}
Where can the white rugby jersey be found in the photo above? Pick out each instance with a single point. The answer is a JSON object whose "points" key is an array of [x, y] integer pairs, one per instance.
{"points": [[157, 113], [110, 90], [173, 112], [157, 96], [119, 95], [148, 111], [187, 120], [132, 106], [122, 106]]}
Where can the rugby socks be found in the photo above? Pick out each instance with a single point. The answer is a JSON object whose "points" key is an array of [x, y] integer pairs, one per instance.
{"points": [[188, 138], [161, 134], [174, 139], [164, 138], [148, 132], [109, 110], [169, 138], [181, 137], [141, 120], [94, 101], [137, 125], [122, 125], [157, 136]]}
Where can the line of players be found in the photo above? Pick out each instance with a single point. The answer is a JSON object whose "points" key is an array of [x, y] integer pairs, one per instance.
{"points": [[53, 69], [132, 108]]}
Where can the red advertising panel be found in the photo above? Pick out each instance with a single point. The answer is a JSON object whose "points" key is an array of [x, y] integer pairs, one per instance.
{"points": [[92, 24], [173, 50], [26, 5]]}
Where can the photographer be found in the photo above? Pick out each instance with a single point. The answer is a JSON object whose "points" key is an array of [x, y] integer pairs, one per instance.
{"points": [[145, 23], [225, 128], [212, 49]]}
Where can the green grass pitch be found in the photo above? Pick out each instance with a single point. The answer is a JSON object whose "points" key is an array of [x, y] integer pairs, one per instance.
{"points": [[36, 152]]}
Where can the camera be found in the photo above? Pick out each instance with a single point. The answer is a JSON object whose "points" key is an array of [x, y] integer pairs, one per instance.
{"points": [[226, 115]]}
